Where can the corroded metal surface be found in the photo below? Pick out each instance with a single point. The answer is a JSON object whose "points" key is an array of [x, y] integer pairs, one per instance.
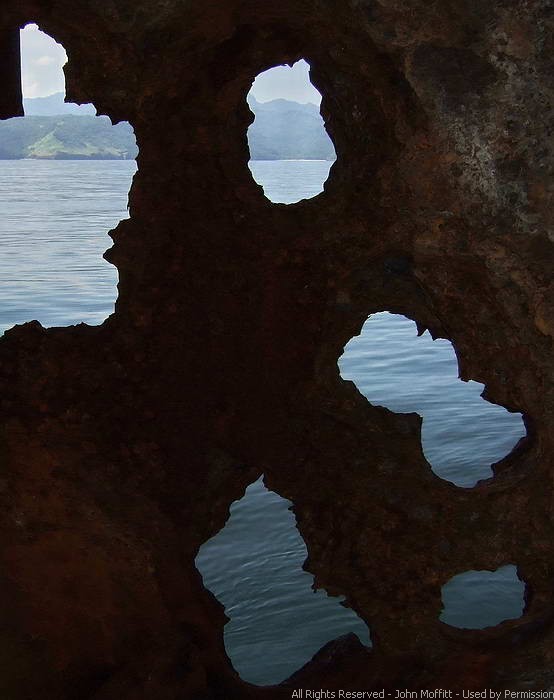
{"points": [[124, 445]]}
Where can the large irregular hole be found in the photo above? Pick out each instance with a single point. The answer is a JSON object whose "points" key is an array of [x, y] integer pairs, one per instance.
{"points": [[462, 434], [291, 152], [479, 599], [254, 567], [65, 176]]}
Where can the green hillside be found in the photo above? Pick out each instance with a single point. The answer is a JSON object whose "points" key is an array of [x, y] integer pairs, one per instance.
{"points": [[281, 130], [66, 137], [288, 130]]}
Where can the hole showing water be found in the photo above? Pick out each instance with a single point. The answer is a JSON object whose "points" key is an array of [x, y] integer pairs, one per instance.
{"points": [[479, 599], [462, 434], [65, 176], [291, 152], [254, 567]]}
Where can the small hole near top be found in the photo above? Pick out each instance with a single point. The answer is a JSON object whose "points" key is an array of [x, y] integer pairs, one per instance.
{"points": [[291, 151]]}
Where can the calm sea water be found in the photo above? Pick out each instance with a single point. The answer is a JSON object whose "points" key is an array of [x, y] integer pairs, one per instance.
{"points": [[462, 434], [288, 181], [53, 231]]}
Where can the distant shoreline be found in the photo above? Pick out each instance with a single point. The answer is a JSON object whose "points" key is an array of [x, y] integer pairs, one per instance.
{"points": [[54, 130], [58, 159], [294, 160]]}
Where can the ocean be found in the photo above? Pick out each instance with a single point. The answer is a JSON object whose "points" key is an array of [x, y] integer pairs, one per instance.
{"points": [[56, 215]]}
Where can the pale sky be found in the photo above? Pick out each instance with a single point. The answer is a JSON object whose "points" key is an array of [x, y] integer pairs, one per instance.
{"points": [[42, 60], [286, 83], [41, 63]]}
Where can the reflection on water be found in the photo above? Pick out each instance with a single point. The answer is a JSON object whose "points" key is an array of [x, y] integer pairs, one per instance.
{"points": [[462, 434], [289, 181], [53, 232], [477, 599], [254, 567]]}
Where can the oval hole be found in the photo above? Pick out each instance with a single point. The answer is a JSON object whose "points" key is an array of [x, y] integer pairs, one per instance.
{"points": [[254, 567], [462, 434], [65, 176], [291, 151], [479, 599]]}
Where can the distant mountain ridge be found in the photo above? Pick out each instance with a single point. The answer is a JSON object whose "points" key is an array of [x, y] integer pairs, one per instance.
{"points": [[285, 130], [54, 129], [69, 137], [55, 106]]}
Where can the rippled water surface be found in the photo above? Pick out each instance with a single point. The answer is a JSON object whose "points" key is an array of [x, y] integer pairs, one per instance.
{"points": [[53, 232], [470, 599], [462, 434], [289, 181], [276, 618]]}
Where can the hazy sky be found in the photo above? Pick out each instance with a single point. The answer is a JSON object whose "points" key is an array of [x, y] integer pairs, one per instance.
{"points": [[42, 59], [287, 83], [41, 63]]}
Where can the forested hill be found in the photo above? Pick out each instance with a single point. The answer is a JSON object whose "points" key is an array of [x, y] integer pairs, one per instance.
{"points": [[66, 137], [282, 130], [54, 106], [285, 130]]}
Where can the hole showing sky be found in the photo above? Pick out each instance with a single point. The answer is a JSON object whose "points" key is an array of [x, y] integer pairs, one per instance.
{"points": [[42, 60], [462, 434], [254, 567], [291, 152], [479, 599], [65, 175]]}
